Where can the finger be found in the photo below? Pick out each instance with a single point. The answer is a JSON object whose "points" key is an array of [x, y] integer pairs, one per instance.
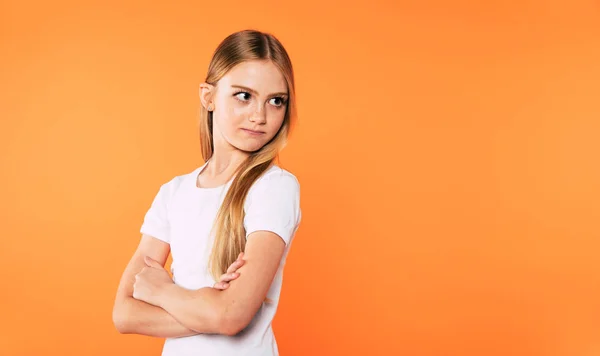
{"points": [[235, 265], [226, 277], [221, 285], [151, 262]]}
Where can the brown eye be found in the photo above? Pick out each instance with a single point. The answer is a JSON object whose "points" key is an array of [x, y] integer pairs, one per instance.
{"points": [[239, 97], [281, 101]]}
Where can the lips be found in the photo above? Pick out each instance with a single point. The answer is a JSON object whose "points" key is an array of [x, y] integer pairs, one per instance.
{"points": [[253, 132]]}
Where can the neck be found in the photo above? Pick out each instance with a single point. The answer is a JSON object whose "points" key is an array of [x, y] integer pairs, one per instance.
{"points": [[225, 162]]}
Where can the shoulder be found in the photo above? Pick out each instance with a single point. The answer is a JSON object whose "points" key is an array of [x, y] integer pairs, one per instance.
{"points": [[276, 178], [170, 187], [276, 173], [273, 204], [175, 182], [276, 183]]}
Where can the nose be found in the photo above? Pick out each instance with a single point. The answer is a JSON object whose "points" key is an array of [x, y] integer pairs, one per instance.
{"points": [[259, 115]]}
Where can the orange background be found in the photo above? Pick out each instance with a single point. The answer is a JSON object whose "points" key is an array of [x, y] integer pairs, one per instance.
{"points": [[447, 153]]}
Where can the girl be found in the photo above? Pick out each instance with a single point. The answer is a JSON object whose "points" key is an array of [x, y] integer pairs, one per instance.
{"points": [[229, 223]]}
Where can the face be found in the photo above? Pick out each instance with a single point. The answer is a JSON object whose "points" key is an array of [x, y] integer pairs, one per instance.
{"points": [[249, 104]]}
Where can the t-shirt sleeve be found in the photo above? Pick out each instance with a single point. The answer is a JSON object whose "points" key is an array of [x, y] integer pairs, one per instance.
{"points": [[273, 204], [156, 223]]}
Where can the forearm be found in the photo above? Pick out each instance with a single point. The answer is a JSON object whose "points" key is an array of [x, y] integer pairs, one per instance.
{"points": [[198, 310], [139, 317]]}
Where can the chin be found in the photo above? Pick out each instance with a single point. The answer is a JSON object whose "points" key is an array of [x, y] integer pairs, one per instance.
{"points": [[249, 148]]}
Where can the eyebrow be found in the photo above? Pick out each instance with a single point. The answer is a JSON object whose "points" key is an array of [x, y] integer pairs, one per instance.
{"points": [[255, 92]]}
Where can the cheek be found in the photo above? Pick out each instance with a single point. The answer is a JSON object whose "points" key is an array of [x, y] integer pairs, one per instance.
{"points": [[277, 120], [237, 112], [231, 117]]}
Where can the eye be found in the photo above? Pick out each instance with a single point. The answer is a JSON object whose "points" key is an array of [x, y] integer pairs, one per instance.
{"points": [[282, 101], [237, 96]]}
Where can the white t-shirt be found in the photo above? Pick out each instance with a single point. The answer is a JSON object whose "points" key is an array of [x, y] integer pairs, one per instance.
{"points": [[183, 214]]}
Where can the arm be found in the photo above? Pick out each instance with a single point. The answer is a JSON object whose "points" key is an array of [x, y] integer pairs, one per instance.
{"points": [[227, 312], [132, 316]]}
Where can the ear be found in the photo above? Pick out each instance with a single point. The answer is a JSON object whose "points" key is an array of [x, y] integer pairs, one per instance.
{"points": [[206, 93]]}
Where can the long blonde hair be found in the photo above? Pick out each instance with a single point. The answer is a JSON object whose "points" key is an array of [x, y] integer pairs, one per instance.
{"points": [[228, 228]]}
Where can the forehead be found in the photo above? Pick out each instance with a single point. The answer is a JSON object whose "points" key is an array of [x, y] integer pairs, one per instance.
{"points": [[260, 75]]}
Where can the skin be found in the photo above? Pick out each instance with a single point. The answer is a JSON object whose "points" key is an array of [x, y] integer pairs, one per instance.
{"points": [[232, 113], [148, 302]]}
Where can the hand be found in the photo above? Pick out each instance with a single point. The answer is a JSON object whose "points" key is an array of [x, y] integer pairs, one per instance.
{"points": [[231, 273], [150, 282]]}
